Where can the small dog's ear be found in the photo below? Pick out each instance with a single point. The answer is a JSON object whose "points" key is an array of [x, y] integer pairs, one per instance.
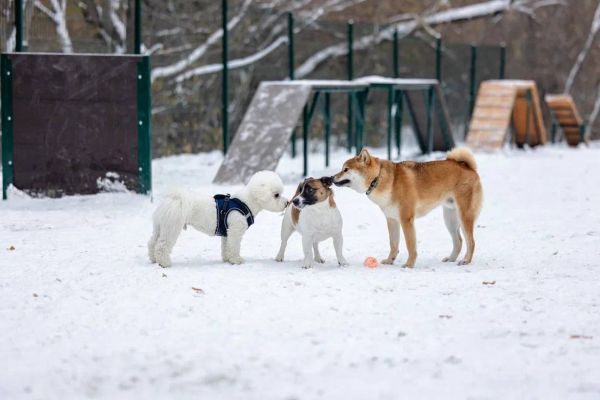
{"points": [[327, 181], [364, 156]]}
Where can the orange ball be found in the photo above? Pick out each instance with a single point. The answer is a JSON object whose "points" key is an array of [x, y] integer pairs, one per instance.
{"points": [[371, 262]]}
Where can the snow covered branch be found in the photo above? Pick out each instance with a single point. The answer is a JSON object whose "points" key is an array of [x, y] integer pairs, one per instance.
{"points": [[595, 27], [58, 16], [479, 10], [595, 112], [234, 64], [215, 37]]}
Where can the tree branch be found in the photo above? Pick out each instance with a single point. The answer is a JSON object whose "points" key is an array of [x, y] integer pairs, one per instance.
{"points": [[594, 28]]}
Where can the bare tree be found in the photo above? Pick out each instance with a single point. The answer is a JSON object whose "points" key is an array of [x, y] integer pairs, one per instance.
{"points": [[594, 28], [58, 15]]}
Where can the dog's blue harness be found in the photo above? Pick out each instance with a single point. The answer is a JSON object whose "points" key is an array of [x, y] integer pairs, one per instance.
{"points": [[226, 204]]}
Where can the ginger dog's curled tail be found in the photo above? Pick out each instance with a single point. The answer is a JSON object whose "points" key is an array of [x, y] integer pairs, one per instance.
{"points": [[463, 154]]}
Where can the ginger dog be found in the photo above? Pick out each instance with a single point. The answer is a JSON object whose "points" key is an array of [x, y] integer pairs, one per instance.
{"points": [[408, 190]]}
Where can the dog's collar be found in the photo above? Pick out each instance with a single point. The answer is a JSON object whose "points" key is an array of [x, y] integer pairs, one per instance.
{"points": [[374, 183]]}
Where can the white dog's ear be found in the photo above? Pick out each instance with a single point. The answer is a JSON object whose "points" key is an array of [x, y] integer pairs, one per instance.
{"points": [[364, 156]]}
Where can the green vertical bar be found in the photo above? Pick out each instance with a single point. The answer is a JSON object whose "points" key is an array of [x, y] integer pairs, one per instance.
{"points": [[327, 121], [502, 61], [305, 140], [360, 99], [291, 67], [438, 59], [396, 54], [398, 124], [291, 54], [137, 35], [472, 86], [18, 25], [7, 124], [430, 101], [390, 120], [225, 81], [144, 113], [350, 75]]}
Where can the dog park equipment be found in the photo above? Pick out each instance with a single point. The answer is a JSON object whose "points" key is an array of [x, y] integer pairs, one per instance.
{"points": [[424, 101], [565, 114], [270, 119], [502, 105], [70, 120]]}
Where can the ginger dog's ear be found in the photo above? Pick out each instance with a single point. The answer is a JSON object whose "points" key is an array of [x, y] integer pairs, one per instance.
{"points": [[364, 156], [327, 181]]}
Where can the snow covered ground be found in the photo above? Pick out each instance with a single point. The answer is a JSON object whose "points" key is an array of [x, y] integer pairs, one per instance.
{"points": [[84, 314]]}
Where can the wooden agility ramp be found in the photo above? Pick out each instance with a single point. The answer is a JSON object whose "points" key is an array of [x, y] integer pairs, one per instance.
{"points": [[502, 107], [565, 114]]}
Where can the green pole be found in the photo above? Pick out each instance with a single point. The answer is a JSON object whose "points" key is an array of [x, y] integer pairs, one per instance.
{"points": [[327, 118], [291, 55], [502, 61], [398, 124], [291, 67], [350, 73], [225, 78], [430, 105], [7, 123], [472, 86], [438, 59], [144, 114], [137, 36], [305, 140], [19, 25], [390, 121], [396, 54]]}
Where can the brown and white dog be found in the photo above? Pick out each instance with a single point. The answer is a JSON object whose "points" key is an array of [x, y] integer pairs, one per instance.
{"points": [[408, 190], [315, 216]]}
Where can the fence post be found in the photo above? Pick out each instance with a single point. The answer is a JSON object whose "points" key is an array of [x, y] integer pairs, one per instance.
{"points": [[225, 79], [291, 66], [18, 26], [438, 59], [137, 33], [472, 85], [502, 61], [396, 54], [327, 122], [350, 72]]}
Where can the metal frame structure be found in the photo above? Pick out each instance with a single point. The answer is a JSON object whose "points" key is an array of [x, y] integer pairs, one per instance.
{"points": [[354, 137], [357, 94], [396, 97]]}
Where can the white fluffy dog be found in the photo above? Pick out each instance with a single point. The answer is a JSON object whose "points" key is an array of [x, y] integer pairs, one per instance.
{"points": [[179, 209]]}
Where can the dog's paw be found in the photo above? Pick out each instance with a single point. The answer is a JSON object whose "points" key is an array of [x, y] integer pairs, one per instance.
{"points": [[320, 260], [164, 262], [388, 261], [464, 262], [343, 262], [279, 258], [306, 266], [407, 265], [236, 260], [448, 259]]}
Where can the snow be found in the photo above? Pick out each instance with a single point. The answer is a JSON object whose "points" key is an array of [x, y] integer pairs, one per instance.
{"points": [[84, 314], [382, 80]]}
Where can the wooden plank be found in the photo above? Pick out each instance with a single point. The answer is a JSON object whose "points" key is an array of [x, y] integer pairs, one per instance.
{"points": [[492, 113], [491, 102], [488, 124]]}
